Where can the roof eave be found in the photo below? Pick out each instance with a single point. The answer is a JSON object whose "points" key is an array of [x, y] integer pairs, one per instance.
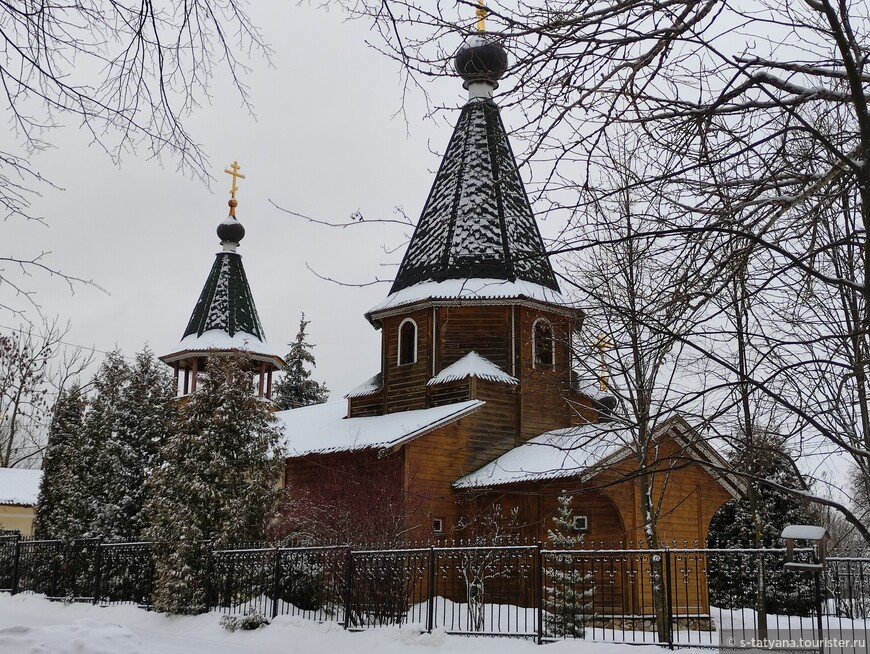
{"points": [[375, 317], [581, 475], [717, 467], [399, 443], [182, 355], [385, 449]]}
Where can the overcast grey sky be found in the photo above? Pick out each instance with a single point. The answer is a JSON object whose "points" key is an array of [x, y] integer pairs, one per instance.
{"points": [[326, 141]]}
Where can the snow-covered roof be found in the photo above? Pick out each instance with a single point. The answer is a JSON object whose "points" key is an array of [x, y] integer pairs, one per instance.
{"points": [[225, 316], [322, 428], [569, 452], [216, 339], [589, 385], [477, 221], [368, 387], [19, 486], [473, 365], [803, 532], [469, 290]]}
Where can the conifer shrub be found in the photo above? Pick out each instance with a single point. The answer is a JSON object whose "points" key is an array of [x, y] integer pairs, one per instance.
{"points": [[253, 619]]}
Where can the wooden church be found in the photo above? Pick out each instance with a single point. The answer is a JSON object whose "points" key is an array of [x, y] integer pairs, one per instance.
{"points": [[474, 408]]}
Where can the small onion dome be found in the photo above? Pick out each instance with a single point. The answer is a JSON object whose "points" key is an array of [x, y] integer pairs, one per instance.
{"points": [[231, 230], [481, 59]]}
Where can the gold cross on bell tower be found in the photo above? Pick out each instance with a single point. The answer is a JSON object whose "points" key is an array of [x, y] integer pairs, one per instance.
{"points": [[603, 344], [236, 175]]}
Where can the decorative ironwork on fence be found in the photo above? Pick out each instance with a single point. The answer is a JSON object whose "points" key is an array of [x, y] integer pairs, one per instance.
{"points": [[673, 596]]}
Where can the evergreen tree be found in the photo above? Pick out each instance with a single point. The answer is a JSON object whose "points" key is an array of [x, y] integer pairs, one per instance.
{"points": [[569, 589], [61, 492], [216, 482], [756, 521], [295, 388], [109, 452], [146, 415], [103, 450]]}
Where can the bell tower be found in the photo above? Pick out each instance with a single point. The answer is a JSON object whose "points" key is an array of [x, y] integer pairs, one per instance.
{"points": [[475, 310], [224, 321]]}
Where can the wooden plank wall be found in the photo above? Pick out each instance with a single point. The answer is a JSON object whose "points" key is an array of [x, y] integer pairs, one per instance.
{"points": [[484, 329], [543, 406], [405, 385], [368, 405]]}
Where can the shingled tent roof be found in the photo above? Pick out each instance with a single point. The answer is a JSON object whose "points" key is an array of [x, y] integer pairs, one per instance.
{"points": [[226, 303], [477, 222]]}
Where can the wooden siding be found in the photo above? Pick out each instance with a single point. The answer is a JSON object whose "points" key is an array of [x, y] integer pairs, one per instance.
{"points": [[346, 497], [543, 404], [502, 334], [368, 405], [433, 462], [457, 391], [405, 385], [483, 329]]}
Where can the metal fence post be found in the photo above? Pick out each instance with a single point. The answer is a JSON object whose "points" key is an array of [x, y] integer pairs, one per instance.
{"points": [[669, 598], [539, 591], [276, 581], [151, 572], [16, 564], [55, 560], [430, 600], [209, 573], [817, 575], [98, 569], [348, 579]]}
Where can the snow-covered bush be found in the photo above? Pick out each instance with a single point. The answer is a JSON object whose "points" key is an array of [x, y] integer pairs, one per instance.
{"points": [[253, 619]]}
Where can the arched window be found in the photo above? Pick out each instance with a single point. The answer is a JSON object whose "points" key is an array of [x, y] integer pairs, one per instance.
{"points": [[542, 344], [407, 342]]}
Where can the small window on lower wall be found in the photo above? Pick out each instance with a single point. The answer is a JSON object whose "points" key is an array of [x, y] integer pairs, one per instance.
{"points": [[581, 523], [438, 525]]}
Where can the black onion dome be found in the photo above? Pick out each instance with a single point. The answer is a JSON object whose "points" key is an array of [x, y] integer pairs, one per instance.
{"points": [[480, 60], [231, 230]]}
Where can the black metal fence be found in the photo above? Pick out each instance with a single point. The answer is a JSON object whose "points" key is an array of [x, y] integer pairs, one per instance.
{"points": [[673, 596]]}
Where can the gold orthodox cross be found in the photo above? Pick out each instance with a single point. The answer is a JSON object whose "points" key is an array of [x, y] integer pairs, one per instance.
{"points": [[603, 344], [481, 14], [236, 175]]}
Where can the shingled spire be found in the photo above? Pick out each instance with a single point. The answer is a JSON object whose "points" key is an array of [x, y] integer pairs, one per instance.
{"points": [[477, 222], [226, 303]]}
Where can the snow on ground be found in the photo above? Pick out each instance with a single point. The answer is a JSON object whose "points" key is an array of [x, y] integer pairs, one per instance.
{"points": [[30, 624]]}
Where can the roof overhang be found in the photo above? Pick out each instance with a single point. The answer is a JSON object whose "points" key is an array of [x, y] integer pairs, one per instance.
{"points": [[384, 434], [376, 316], [683, 433], [183, 358]]}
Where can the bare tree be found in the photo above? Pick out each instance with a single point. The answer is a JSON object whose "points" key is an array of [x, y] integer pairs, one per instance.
{"points": [[482, 528], [127, 72], [32, 373], [637, 296], [756, 123]]}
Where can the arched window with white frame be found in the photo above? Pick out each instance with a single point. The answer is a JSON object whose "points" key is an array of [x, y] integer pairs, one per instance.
{"points": [[407, 342], [543, 344]]}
